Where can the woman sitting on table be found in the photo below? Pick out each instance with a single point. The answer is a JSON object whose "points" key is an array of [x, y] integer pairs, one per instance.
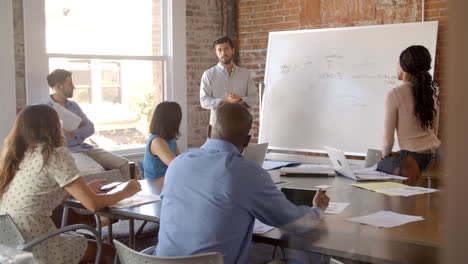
{"points": [[161, 148], [36, 173], [412, 109]]}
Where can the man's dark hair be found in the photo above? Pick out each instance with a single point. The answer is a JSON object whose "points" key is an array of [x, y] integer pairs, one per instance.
{"points": [[58, 76], [221, 40], [166, 120], [233, 123]]}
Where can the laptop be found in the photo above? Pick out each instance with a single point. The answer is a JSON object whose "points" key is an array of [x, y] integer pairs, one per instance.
{"points": [[342, 167], [256, 153], [340, 163]]}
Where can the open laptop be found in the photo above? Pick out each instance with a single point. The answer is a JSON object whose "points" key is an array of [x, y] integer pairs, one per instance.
{"points": [[256, 152], [342, 166], [340, 163]]}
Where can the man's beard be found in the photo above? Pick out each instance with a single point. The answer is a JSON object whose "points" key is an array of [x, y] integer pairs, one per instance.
{"points": [[226, 60]]}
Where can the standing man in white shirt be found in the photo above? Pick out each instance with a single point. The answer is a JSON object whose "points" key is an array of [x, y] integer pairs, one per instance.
{"points": [[226, 82]]}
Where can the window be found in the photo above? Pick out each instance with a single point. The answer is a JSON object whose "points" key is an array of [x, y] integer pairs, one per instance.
{"points": [[123, 54], [113, 48]]}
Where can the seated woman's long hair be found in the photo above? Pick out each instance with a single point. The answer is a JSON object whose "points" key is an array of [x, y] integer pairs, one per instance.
{"points": [[34, 125], [416, 60]]}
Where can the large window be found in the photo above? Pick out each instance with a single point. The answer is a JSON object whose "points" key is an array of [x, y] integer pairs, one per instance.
{"points": [[114, 49]]}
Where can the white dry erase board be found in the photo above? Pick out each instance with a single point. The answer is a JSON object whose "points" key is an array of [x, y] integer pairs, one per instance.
{"points": [[328, 86]]}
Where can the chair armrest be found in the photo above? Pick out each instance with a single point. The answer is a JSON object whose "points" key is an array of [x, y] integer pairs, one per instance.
{"points": [[38, 240]]}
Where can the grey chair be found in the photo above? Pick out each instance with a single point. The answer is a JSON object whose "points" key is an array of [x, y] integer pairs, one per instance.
{"points": [[130, 256], [11, 236]]}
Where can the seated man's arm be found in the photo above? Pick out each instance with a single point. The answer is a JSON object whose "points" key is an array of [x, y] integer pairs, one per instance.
{"points": [[309, 220], [86, 127], [270, 206], [207, 101]]}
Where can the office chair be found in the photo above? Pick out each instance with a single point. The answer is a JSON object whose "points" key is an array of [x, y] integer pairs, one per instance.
{"points": [[11, 236], [130, 256]]}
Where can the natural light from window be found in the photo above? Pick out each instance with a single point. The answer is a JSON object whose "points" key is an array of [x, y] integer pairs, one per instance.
{"points": [[113, 48]]}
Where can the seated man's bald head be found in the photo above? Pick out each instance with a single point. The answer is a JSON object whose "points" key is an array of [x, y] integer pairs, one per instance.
{"points": [[233, 124]]}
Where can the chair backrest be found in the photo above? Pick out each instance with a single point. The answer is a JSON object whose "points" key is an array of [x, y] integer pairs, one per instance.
{"points": [[9, 233], [130, 256]]}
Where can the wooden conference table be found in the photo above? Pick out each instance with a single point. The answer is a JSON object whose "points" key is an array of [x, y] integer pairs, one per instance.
{"points": [[417, 242]]}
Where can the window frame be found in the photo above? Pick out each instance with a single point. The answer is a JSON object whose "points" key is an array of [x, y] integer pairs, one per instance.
{"points": [[173, 57]]}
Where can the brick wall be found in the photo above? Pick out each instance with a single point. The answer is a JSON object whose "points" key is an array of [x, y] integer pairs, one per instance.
{"points": [[257, 18], [204, 25]]}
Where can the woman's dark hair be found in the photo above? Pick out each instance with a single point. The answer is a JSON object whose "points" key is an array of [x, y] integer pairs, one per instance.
{"points": [[416, 60], [34, 125], [166, 120]]}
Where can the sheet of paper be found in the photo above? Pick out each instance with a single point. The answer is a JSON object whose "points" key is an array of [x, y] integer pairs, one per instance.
{"points": [[336, 208], [70, 121], [137, 199], [276, 164], [372, 174], [261, 228], [408, 191], [386, 219], [378, 186]]}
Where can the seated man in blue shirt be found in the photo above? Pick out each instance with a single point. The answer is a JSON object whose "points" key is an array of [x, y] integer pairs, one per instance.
{"points": [[61, 82], [212, 196]]}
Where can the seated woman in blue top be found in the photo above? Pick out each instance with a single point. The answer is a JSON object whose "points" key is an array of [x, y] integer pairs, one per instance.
{"points": [[161, 148]]}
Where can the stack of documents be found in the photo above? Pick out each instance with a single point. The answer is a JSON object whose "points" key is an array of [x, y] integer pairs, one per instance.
{"points": [[385, 219], [261, 228], [408, 191], [372, 174], [137, 199]]}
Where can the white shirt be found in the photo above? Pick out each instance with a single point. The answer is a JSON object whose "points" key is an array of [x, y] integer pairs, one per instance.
{"points": [[216, 84]]}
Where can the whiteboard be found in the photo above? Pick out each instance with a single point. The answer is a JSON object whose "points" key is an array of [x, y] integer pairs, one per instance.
{"points": [[328, 86]]}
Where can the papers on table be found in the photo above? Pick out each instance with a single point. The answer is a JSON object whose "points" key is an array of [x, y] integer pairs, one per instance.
{"points": [[137, 199], [380, 186], [385, 219], [372, 174], [261, 228], [394, 188], [70, 121], [274, 164], [408, 191], [336, 208]]}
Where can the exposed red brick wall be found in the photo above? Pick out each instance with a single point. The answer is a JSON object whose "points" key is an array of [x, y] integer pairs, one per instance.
{"points": [[258, 17], [204, 25]]}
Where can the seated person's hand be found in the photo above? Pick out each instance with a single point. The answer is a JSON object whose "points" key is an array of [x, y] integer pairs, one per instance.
{"points": [[234, 97], [321, 200], [96, 186], [69, 133], [132, 187]]}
